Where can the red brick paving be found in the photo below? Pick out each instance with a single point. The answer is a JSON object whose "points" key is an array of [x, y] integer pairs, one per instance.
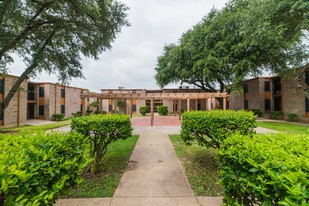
{"points": [[158, 121]]}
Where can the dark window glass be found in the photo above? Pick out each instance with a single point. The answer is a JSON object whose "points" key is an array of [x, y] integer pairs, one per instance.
{"points": [[41, 110], [88, 108], [277, 87], [307, 78], [81, 107], [62, 109], [62, 93], [41, 91], [267, 104], [1, 86], [1, 116], [110, 108], [246, 104], [88, 99], [307, 105], [134, 107], [267, 86], [246, 88]]}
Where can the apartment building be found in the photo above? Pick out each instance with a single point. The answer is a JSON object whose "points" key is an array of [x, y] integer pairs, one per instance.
{"points": [[46, 99], [133, 105], [272, 94], [15, 113]]}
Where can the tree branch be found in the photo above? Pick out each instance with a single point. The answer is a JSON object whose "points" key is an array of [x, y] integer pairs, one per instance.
{"points": [[26, 73], [30, 27]]}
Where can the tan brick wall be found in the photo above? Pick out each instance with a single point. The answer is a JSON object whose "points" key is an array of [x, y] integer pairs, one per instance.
{"points": [[256, 94], [236, 100], [11, 112], [72, 101], [293, 99]]}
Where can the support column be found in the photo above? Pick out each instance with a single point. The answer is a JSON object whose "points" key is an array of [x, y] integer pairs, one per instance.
{"points": [[196, 101], [131, 110], [188, 104], [179, 109], [113, 106], [206, 104], [100, 105], [84, 106], [18, 109], [152, 112], [224, 103]]}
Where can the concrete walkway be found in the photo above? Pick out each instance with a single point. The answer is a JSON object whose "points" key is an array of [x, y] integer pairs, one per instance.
{"points": [[154, 176]]}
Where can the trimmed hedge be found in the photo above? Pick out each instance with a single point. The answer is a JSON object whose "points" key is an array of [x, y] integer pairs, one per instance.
{"points": [[292, 117], [256, 112], [162, 110], [57, 117], [211, 128], [101, 130], [265, 170], [35, 169], [143, 110], [276, 115]]}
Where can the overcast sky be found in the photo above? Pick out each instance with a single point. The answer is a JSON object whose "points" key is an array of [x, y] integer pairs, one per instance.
{"points": [[131, 61]]}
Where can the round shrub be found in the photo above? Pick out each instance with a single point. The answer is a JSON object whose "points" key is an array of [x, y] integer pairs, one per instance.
{"points": [[143, 110], [162, 110]]}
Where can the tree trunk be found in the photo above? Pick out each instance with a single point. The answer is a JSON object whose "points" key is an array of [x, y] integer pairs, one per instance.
{"points": [[16, 87]]}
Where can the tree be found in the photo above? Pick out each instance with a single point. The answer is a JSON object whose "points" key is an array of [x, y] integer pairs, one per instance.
{"points": [[245, 38], [52, 35]]}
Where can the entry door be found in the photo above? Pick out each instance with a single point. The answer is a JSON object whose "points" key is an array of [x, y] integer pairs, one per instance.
{"points": [[277, 104], [30, 111]]}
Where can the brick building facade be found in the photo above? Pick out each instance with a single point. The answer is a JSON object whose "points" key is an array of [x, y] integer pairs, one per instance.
{"points": [[271, 94], [134, 105], [15, 113]]}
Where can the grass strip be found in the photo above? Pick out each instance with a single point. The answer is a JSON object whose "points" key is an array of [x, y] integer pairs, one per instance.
{"points": [[200, 167], [284, 127], [38, 127], [112, 167]]}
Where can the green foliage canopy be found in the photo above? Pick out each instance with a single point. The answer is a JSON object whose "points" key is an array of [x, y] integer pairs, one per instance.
{"points": [[52, 35], [245, 38]]}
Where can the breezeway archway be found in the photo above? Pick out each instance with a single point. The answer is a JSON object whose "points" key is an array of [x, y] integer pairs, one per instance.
{"points": [[156, 96]]}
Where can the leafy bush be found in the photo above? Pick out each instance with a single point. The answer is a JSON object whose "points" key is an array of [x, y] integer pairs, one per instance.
{"points": [[292, 117], [101, 131], [36, 168], [100, 112], [77, 114], [143, 110], [57, 117], [265, 170], [211, 128], [256, 112], [162, 110], [276, 115]]}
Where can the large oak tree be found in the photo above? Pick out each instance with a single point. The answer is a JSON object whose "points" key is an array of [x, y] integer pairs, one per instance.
{"points": [[53, 35], [247, 37]]}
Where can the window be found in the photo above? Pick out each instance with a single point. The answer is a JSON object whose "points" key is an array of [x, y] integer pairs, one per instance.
{"points": [[87, 99], [134, 108], [81, 107], [62, 109], [41, 110], [246, 104], [41, 91], [88, 108], [267, 104], [1, 115], [62, 93], [307, 105], [246, 88], [307, 78], [110, 108], [267, 86], [1, 86]]}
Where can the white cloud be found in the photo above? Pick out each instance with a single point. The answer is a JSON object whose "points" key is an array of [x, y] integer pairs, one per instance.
{"points": [[132, 60]]}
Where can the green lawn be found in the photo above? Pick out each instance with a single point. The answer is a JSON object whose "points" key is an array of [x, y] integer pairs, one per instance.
{"points": [[200, 167], [284, 127], [38, 127], [113, 166]]}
